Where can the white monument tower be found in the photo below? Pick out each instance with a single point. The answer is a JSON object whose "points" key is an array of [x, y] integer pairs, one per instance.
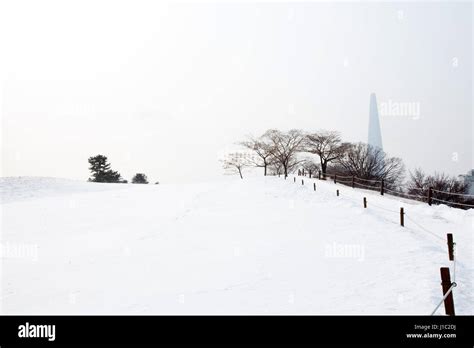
{"points": [[375, 136]]}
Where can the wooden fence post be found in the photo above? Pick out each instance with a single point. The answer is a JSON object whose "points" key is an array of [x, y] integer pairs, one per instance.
{"points": [[319, 175], [446, 284], [302, 182], [365, 202], [294, 179], [430, 195], [314, 186], [335, 178], [310, 173], [337, 193], [353, 182], [450, 247], [382, 188], [402, 217]]}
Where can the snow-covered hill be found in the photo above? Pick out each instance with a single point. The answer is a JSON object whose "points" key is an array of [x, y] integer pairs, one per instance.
{"points": [[256, 246]]}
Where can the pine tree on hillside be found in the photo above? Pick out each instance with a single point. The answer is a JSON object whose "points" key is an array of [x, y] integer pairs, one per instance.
{"points": [[101, 171], [112, 176]]}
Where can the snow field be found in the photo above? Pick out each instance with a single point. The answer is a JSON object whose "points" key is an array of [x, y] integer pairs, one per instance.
{"points": [[253, 246]]}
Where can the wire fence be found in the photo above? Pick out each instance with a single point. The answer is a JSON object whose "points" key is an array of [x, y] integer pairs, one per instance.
{"points": [[455, 203], [415, 223], [453, 284], [362, 185], [424, 229], [454, 262], [428, 195], [454, 193]]}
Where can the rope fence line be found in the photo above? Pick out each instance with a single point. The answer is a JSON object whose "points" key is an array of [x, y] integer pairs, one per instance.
{"points": [[446, 283], [378, 207], [425, 229], [416, 189], [454, 262], [408, 196], [426, 194], [397, 192], [371, 187], [453, 193], [386, 209], [344, 181], [371, 204], [356, 177], [397, 212], [453, 285], [374, 205], [456, 203], [405, 194], [445, 274], [449, 303], [340, 176]]}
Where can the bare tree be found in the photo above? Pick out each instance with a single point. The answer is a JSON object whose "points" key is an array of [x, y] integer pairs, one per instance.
{"points": [[327, 145], [285, 147], [368, 162], [443, 184], [275, 168], [235, 162], [417, 184], [310, 166], [263, 151]]}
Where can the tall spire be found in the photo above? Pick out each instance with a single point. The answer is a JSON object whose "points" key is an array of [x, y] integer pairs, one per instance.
{"points": [[375, 136]]}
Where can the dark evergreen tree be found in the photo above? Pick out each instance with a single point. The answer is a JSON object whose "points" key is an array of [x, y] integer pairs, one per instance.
{"points": [[101, 171], [112, 176], [140, 178]]}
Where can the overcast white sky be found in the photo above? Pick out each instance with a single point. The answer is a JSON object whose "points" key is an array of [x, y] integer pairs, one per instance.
{"points": [[164, 89]]}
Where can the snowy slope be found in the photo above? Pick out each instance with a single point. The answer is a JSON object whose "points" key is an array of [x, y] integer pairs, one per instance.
{"points": [[231, 246], [21, 188]]}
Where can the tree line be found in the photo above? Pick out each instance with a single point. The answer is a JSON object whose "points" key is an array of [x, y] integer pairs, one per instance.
{"points": [[282, 153], [101, 171]]}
